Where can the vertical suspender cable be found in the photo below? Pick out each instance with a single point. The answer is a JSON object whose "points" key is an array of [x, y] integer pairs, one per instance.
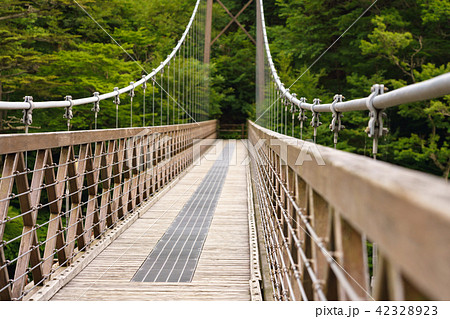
{"points": [[180, 57], [173, 91], [184, 80], [153, 101], [144, 88], [161, 104], [168, 93]]}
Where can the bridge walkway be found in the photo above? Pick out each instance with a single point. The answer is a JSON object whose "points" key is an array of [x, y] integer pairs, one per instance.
{"points": [[223, 268]]}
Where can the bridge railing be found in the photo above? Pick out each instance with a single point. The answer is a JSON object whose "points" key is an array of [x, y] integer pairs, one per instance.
{"points": [[184, 88], [276, 106], [321, 209], [62, 192]]}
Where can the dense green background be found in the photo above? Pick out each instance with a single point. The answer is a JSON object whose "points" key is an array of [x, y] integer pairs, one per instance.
{"points": [[51, 48]]}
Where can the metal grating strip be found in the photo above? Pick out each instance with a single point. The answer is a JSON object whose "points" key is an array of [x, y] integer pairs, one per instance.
{"points": [[175, 256]]}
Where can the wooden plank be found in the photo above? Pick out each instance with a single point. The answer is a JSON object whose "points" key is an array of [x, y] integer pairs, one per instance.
{"points": [[92, 176], [15, 143], [28, 249], [55, 237], [76, 173], [6, 185]]}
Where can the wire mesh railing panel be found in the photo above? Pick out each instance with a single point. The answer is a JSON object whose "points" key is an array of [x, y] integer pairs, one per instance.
{"points": [[64, 191], [321, 209]]}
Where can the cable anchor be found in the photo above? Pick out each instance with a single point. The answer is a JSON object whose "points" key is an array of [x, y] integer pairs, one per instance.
{"points": [[336, 124], [375, 127]]}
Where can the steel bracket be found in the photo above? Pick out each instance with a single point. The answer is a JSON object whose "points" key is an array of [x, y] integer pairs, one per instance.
{"points": [[28, 113]]}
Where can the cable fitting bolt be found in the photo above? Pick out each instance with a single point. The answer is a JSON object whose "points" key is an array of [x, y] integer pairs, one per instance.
{"points": [[315, 121], [28, 113], [132, 94], [68, 114], [116, 98], [96, 107]]}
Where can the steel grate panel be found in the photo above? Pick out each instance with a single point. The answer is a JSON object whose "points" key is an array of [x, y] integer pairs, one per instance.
{"points": [[175, 256]]}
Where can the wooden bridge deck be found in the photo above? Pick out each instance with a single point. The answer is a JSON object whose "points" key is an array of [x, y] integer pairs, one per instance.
{"points": [[223, 269]]}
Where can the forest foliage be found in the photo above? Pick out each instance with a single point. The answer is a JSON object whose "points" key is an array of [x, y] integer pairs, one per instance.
{"points": [[51, 48]]}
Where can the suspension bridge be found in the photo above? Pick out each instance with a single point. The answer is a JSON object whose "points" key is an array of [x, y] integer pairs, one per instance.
{"points": [[166, 211]]}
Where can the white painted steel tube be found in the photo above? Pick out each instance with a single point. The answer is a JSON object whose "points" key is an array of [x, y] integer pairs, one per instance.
{"points": [[55, 104]]}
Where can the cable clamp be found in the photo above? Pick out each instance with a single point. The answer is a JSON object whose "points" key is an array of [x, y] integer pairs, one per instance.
{"points": [[375, 127], [286, 100], [336, 125], [315, 121], [132, 94], [116, 98], [144, 85], [28, 113], [302, 115], [96, 107], [293, 105], [68, 114]]}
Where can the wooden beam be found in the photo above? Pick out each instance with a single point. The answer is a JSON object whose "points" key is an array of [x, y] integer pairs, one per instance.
{"points": [[15, 143], [234, 19], [208, 26]]}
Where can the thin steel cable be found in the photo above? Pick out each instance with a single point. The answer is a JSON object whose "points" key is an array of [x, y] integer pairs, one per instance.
{"points": [[161, 103], [168, 93], [334, 265], [143, 107], [282, 88], [65, 103], [153, 101], [173, 89]]}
